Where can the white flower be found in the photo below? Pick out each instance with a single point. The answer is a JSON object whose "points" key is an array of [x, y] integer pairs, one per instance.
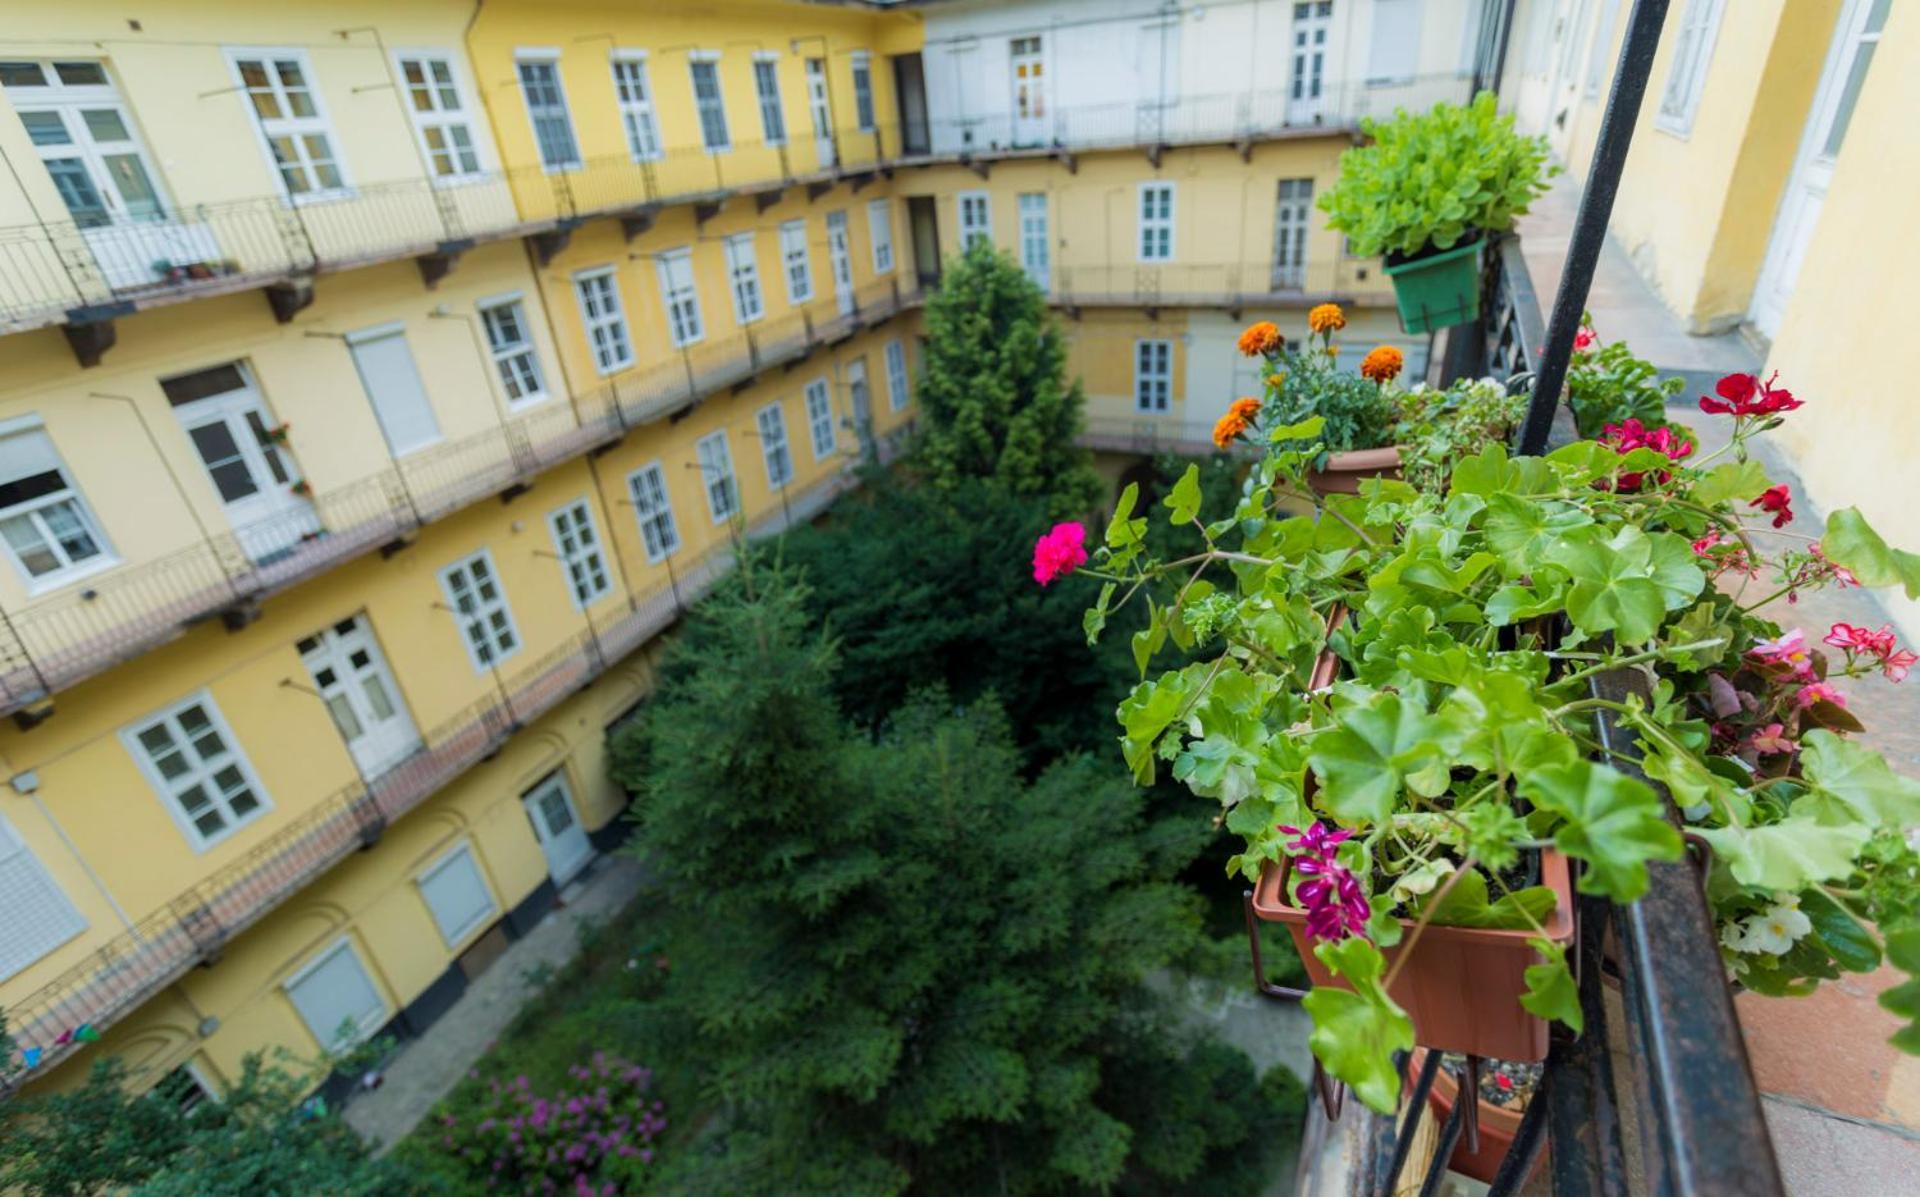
{"points": [[1733, 937], [1421, 880], [1774, 929]]}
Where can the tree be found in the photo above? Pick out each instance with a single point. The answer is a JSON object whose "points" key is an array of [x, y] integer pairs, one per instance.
{"points": [[994, 399], [907, 969]]}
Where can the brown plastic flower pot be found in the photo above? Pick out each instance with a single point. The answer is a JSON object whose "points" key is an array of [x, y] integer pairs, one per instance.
{"points": [[1462, 985], [1498, 1127], [1344, 472]]}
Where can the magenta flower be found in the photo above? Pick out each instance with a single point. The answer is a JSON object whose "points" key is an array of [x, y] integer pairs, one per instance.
{"points": [[1790, 650], [1335, 906], [1061, 551]]}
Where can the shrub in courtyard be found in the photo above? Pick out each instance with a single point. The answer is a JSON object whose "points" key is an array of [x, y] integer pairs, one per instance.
{"points": [[594, 1136]]}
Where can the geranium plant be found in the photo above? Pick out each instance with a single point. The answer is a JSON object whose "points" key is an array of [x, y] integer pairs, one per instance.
{"points": [[1459, 742]]}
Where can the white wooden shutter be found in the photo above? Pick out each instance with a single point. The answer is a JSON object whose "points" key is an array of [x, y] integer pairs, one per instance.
{"points": [[35, 917], [334, 991], [456, 894]]}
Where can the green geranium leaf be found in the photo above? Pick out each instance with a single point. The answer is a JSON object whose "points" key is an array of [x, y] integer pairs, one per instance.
{"points": [[1148, 640], [1861, 779], [1184, 499], [1302, 430], [1612, 822], [1732, 482], [1376, 746], [1551, 992], [1626, 583], [1123, 530], [1094, 620], [1852, 946], [1466, 905], [1903, 950], [1356, 1031], [1850, 542], [1521, 532], [1787, 856]]}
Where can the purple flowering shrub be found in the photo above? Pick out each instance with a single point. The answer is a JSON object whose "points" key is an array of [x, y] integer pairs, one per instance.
{"points": [[591, 1138]]}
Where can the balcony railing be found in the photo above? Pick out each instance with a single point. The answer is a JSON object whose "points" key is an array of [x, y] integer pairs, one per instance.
{"points": [[59, 270], [195, 926], [1235, 285], [95, 625]]}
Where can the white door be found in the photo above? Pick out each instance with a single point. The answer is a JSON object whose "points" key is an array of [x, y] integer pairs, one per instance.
{"points": [[557, 826], [1156, 72], [862, 402], [246, 460], [346, 666], [1307, 62], [1855, 36], [1035, 246], [821, 110], [1565, 88], [840, 258], [1029, 91], [394, 388]]}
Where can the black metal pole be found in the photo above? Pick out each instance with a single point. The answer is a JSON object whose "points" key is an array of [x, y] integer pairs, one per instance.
{"points": [[1596, 207], [1500, 46]]}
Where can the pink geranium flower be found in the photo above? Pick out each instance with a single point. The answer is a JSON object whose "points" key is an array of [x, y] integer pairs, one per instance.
{"points": [[1772, 740], [1896, 665], [1819, 692], [1789, 650], [1061, 551]]}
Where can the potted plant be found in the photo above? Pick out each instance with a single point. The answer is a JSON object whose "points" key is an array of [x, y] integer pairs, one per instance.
{"points": [[1426, 192], [1504, 1088], [1608, 384]]}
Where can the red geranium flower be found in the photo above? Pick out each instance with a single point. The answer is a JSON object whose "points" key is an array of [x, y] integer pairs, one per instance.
{"points": [[1745, 395], [1774, 500]]}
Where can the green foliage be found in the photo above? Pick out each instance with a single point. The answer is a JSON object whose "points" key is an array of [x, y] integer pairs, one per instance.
{"points": [[1609, 385], [1429, 179], [994, 399], [1305, 380], [1438, 427]]}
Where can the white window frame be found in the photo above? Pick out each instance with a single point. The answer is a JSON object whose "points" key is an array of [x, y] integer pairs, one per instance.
{"points": [[714, 459], [766, 89], [685, 325], [30, 509], [661, 520], [818, 397], [481, 616], [613, 323], [1300, 229], [1686, 79], [796, 262], [709, 58], [899, 392], [583, 559], [515, 363], [964, 203], [1146, 382], [457, 937], [1036, 253], [69, 102], [201, 774], [865, 112], [880, 230], [446, 119], [547, 57], [1601, 51], [47, 936], [639, 121], [770, 422], [743, 278], [367, 1026], [1155, 242], [300, 127]]}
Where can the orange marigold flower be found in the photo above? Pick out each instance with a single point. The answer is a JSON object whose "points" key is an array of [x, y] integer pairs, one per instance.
{"points": [[1326, 318], [1239, 417], [1383, 364], [1246, 409], [1260, 338]]}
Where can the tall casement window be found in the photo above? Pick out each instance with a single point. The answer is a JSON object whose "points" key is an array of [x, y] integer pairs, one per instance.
{"points": [[716, 471], [49, 532], [576, 538], [705, 66], [86, 139], [1152, 376], [440, 115], [546, 103], [771, 423], [678, 296], [634, 93], [743, 278], [480, 606], [795, 263], [511, 345], [1156, 222], [1292, 216], [820, 418], [863, 90], [39, 916], [287, 111], [1035, 242], [1687, 74], [766, 86], [603, 318], [880, 225], [897, 393], [189, 755], [647, 487], [976, 222]]}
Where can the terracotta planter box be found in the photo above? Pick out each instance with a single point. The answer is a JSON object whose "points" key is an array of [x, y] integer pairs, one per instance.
{"points": [[1497, 1128], [1344, 472]]}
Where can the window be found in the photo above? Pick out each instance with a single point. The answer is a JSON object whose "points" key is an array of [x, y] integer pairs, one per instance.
{"points": [[794, 261], [1602, 51], [439, 115], [336, 998], [480, 607], [1156, 222], [1861, 55], [975, 222], [39, 916], [743, 275], [183, 1089], [456, 895], [190, 756], [766, 84], [707, 102], [392, 382], [820, 419], [648, 487], [716, 471], [507, 340], [1394, 53], [45, 523], [1291, 219], [772, 423], [1687, 73], [634, 93], [287, 111], [76, 122], [898, 394], [605, 322], [578, 542], [546, 104], [679, 297], [863, 90], [880, 225], [1035, 242], [1152, 375]]}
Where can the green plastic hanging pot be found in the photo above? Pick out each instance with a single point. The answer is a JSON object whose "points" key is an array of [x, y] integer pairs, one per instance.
{"points": [[1437, 290]]}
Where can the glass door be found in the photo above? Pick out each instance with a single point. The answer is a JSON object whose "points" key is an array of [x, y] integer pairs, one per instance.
{"points": [[840, 259], [820, 107], [861, 397], [1029, 92], [346, 666], [556, 824], [247, 462], [1308, 63]]}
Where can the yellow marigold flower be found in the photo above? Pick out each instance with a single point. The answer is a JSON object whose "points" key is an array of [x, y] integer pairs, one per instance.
{"points": [[1383, 364], [1326, 318], [1260, 338]]}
